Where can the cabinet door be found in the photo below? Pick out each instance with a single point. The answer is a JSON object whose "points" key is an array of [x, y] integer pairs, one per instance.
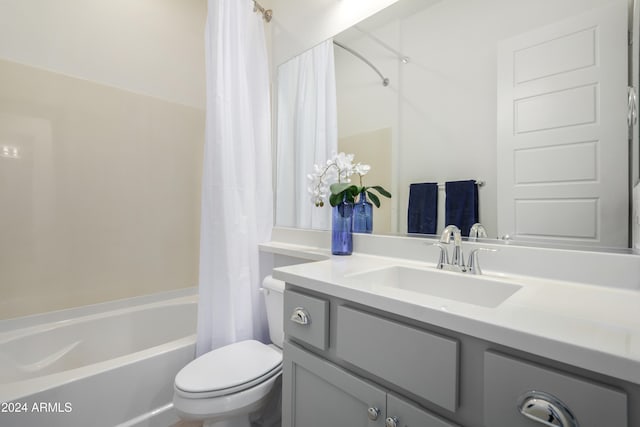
{"points": [[409, 415], [316, 393]]}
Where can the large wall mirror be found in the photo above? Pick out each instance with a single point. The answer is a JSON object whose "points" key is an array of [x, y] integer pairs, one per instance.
{"points": [[529, 98]]}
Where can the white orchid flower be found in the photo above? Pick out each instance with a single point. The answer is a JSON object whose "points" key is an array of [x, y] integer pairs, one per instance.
{"points": [[340, 168], [344, 163], [361, 169]]}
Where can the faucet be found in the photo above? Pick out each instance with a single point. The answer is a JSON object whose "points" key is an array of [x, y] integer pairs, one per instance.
{"points": [[477, 231], [457, 259]]}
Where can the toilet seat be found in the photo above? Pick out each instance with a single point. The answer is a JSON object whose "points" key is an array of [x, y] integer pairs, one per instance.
{"points": [[228, 370]]}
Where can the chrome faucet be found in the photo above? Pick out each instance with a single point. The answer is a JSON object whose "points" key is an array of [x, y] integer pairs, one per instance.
{"points": [[477, 231], [457, 259]]}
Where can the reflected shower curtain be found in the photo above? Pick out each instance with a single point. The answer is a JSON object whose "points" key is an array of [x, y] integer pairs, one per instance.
{"points": [[236, 182], [307, 134]]}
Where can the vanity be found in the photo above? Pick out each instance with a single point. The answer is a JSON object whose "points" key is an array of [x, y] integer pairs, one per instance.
{"points": [[380, 341]]}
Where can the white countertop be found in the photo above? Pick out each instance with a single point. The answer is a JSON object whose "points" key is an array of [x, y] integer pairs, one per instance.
{"points": [[592, 327]]}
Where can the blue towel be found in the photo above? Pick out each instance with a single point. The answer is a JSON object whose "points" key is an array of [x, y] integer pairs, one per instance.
{"points": [[461, 204], [422, 215]]}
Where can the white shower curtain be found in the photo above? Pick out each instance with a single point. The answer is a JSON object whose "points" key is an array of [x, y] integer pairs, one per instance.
{"points": [[236, 183], [307, 133]]}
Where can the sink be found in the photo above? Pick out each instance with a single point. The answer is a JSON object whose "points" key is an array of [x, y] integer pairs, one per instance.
{"points": [[462, 287]]}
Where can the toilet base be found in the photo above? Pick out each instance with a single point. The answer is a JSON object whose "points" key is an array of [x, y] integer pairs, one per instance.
{"points": [[228, 411], [241, 421]]}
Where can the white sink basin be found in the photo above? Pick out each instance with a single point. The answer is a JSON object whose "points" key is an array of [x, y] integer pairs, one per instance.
{"points": [[463, 287]]}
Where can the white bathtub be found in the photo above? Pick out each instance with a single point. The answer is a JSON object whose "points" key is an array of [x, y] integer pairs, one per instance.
{"points": [[106, 365]]}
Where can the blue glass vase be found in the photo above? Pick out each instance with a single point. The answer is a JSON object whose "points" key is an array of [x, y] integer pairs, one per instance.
{"points": [[362, 215], [341, 236]]}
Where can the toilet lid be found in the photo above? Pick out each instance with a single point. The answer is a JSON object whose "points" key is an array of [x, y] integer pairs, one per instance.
{"points": [[229, 367]]}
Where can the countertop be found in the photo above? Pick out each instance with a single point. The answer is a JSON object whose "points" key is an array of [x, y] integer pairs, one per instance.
{"points": [[592, 327]]}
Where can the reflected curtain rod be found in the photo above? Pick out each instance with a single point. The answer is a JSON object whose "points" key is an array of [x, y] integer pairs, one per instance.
{"points": [[385, 80], [267, 14]]}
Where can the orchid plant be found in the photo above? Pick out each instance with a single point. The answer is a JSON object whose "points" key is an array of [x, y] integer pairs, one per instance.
{"points": [[341, 168]]}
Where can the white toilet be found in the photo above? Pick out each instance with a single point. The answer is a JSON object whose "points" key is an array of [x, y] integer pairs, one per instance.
{"points": [[225, 386]]}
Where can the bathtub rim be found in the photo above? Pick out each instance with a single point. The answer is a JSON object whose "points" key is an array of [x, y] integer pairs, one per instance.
{"points": [[12, 391], [31, 320]]}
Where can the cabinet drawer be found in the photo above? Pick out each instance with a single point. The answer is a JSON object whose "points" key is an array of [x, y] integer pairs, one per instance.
{"points": [[306, 319], [506, 380], [420, 362]]}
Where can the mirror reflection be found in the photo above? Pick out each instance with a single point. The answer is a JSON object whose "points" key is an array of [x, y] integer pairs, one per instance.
{"points": [[529, 99]]}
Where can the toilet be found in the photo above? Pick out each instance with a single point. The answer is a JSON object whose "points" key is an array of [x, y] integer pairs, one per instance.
{"points": [[224, 387]]}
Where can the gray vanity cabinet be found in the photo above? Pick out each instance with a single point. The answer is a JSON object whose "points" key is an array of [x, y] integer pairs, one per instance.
{"points": [[320, 394], [349, 365]]}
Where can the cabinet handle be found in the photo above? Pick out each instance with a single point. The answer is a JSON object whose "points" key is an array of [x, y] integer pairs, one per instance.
{"points": [[392, 422], [300, 316], [373, 413], [546, 409]]}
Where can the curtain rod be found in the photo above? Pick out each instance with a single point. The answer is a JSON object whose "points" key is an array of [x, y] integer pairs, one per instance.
{"points": [[267, 14], [385, 80]]}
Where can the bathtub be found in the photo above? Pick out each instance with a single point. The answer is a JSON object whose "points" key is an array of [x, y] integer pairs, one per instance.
{"points": [[111, 364]]}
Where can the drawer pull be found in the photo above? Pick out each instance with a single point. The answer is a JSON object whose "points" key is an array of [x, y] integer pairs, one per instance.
{"points": [[373, 413], [300, 316], [546, 410], [392, 422]]}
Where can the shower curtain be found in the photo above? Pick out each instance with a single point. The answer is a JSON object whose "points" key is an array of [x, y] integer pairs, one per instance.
{"points": [[237, 202], [307, 134]]}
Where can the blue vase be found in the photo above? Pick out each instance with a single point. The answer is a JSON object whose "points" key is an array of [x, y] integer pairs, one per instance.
{"points": [[363, 215], [341, 236]]}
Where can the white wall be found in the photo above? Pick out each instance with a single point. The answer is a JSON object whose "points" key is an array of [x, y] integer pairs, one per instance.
{"points": [[446, 95], [151, 47], [298, 25]]}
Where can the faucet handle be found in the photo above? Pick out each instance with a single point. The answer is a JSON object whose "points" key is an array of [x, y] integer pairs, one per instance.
{"points": [[473, 266], [444, 255]]}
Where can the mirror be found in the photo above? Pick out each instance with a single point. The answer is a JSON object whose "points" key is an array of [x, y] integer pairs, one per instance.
{"points": [[442, 117]]}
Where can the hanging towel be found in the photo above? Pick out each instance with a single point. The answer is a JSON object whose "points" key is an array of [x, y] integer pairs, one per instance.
{"points": [[461, 204], [422, 215]]}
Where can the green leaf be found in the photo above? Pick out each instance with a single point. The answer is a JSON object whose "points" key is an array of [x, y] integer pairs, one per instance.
{"points": [[342, 191], [339, 187], [334, 199], [382, 191], [374, 199]]}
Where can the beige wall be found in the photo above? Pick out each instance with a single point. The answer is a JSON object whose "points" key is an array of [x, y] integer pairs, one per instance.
{"points": [[103, 200], [151, 47], [373, 149]]}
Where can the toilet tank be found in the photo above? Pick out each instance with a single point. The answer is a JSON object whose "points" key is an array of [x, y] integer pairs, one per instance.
{"points": [[273, 291]]}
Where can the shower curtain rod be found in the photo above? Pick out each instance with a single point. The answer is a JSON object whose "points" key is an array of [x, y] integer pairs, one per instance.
{"points": [[267, 14], [402, 57], [385, 80]]}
